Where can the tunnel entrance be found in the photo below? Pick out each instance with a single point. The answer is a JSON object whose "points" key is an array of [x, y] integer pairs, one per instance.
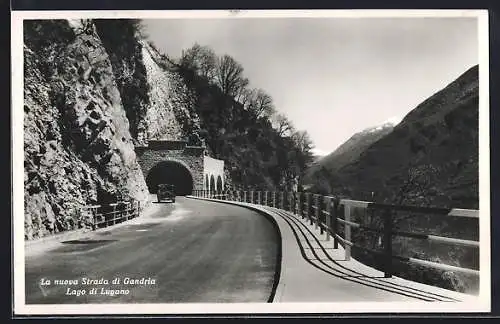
{"points": [[170, 172]]}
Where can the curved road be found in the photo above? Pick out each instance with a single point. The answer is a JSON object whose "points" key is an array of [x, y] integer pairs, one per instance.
{"points": [[191, 251]]}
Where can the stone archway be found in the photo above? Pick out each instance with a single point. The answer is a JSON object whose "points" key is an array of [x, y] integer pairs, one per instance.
{"points": [[170, 172], [201, 166]]}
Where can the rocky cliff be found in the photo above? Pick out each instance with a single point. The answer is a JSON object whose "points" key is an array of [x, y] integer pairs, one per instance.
{"points": [[171, 113], [90, 94]]}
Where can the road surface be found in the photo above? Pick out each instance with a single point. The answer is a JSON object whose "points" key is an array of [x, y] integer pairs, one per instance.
{"points": [[190, 251]]}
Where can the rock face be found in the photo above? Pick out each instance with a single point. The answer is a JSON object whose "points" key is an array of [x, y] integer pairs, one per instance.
{"points": [[77, 144], [170, 113], [160, 118]]}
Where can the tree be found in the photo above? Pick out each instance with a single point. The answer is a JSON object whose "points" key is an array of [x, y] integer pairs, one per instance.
{"points": [[246, 97], [262, 104], [283, 125], [244, 94], [229, 76], [201, 59], [303, 142], [241, 84]]}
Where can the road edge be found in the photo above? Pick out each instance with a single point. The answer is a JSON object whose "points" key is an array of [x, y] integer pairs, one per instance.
{"points": [[34, 246], [277, 287]]}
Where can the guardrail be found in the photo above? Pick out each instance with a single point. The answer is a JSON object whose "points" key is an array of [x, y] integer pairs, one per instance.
{"points": [[329, 213], [111, 214]]}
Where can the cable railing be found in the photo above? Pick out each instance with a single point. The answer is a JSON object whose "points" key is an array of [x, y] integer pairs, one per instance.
{"points": [[334, 217]]}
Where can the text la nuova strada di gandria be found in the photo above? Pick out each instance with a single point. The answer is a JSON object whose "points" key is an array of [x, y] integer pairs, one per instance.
{"points": [[100, 286]]}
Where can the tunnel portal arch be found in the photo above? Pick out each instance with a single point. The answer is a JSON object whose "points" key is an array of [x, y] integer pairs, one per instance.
{"points": [[163, 154]]}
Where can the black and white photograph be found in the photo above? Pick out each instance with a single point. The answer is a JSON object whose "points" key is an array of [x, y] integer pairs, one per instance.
{"points": [[250, 161]]}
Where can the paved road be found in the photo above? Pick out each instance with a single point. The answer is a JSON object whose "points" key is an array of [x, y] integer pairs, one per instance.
{"points": [[193, 251]]}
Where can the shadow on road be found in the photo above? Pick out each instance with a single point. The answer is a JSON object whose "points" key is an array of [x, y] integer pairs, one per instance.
{"points": [[81, 245], [87, 241]]}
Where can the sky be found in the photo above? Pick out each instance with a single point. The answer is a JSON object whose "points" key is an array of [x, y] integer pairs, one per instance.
{"points": [[335, 76]]}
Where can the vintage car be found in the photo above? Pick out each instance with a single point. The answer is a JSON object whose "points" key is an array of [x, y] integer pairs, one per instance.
{"points": [[165, 192]]}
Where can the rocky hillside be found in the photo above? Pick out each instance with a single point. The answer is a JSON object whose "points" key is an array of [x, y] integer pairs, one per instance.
{"points": [[172, 112], [346, 153], [430, 158], [92, 90]]}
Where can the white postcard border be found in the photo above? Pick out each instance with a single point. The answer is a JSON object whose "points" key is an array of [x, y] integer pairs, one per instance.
{"points": [[481, 304]]}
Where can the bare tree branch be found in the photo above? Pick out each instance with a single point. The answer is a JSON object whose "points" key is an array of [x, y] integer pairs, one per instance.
{"points": [[261, 104], [229, 75], [283, 125]]}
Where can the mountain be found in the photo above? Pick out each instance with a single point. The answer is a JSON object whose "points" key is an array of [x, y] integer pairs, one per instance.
{"points": [[346, 153], [430, 158], [354, 146]]}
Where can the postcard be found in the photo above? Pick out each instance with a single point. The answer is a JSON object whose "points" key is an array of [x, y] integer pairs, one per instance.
{"points": [[250, 162]]}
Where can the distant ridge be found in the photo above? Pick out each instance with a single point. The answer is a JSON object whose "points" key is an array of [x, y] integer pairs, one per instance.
{"points": [[346, 153]]}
